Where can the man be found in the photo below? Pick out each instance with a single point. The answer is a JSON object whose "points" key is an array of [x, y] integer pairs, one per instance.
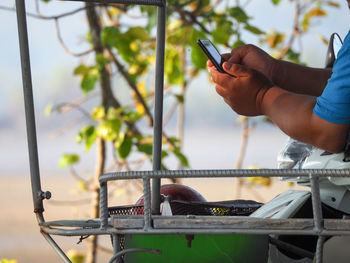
{"points": [[308, 104]]}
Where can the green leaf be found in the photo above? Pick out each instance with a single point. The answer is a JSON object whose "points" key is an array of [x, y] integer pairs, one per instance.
{"points": [[109, 129], [146, 148], [333, 4], [131, 116], [75, 256], [194, 35], [238, 43], [173, 67], [221, 34], [102, 60], [199, 59], [68, 160], [315, 12], [87, 134], [292, 56], [82, 185], [119, 140], [182, 158], [4, 260], [125, 148], [138, 33], [90, 75], [239, 14], [164, 154], [180, 98], [253, 29], [274, 39], [115, 112], [110, 35], [98, 113], [275, 2]]}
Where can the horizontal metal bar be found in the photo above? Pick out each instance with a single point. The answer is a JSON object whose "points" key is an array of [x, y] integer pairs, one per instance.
{"points": [[94, 223], [228, 222], [213, 225], [159, 3], [110, 231], [225, 173]]}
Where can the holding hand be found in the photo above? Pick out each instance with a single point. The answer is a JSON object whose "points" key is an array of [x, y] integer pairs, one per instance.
{"points": [[244, 94], [255, 58]]}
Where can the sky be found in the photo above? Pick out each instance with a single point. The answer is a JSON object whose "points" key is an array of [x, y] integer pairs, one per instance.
{"points": [[53, 80]]}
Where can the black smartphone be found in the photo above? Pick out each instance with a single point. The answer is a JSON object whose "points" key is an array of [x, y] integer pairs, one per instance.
{"points": [[213, 54]]}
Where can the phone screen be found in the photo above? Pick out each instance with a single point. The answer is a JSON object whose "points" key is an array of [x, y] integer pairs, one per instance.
{"points": [[213, 54], [213, 51]]}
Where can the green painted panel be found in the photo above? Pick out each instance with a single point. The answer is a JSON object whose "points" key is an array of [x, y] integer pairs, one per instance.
{"points": [[204, 249]]}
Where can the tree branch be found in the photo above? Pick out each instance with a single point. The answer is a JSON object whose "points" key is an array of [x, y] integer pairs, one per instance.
{"points": [[60, 40], [131, 85], [39, 16]]}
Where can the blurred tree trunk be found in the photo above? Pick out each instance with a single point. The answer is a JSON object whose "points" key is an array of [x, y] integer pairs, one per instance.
{"points": [[106, 92]]}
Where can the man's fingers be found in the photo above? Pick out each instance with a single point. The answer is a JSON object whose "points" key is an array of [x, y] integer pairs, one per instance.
{"points": [[209, 64], [221, 91], [219, 78], [238, 53], [226, 56], [236, 69]]}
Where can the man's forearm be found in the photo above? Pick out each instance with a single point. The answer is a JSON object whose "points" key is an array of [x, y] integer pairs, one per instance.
{"points": [[293, 114], [300, 79]]}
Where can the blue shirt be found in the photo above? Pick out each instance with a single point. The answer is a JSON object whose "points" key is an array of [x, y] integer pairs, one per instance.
{"points": [[334, 103]]}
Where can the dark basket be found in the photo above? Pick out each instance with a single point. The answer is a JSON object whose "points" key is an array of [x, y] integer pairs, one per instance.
{"points": [[223, 208]]}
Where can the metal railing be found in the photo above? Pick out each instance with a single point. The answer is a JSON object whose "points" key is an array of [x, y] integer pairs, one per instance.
{"points": [[151, 222]]}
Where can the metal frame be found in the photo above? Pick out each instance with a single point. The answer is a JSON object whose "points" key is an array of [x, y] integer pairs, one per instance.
{"points": [[151, 222]]}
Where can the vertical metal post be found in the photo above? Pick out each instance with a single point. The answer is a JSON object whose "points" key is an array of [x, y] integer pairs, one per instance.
{"points": [[104, 205], [29, 109], [146, 203], [319, 249], [116, 247], [317, 214], [158, 110], [316, 202]]}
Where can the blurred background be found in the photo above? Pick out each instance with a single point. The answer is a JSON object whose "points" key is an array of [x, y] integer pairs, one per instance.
{"points": [[212, 134]]}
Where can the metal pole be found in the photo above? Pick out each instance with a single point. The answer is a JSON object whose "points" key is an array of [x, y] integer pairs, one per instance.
{"points": [[116, 247], [317, 213], [316, 202], [104, 205], [158, 110], [29, 109], [146, 203], [53, 244], [319, 249]]}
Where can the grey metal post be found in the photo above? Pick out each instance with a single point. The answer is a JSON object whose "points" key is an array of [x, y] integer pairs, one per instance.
{"points": [[317, 213], [146, 203], [104, 205], [59, 251], [316, 202], [158, 108], [319, 249], [29, 109], [116, 247]]}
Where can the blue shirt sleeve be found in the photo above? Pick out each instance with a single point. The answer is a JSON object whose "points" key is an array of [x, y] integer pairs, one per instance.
{"points": [[334, 103]]}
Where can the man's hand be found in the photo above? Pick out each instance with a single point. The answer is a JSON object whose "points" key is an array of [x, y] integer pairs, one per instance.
{"points": [[244, 94], [255, 58]]}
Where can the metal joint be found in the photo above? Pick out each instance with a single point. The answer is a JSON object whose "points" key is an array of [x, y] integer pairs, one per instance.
{"points": [[45, 195]]}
